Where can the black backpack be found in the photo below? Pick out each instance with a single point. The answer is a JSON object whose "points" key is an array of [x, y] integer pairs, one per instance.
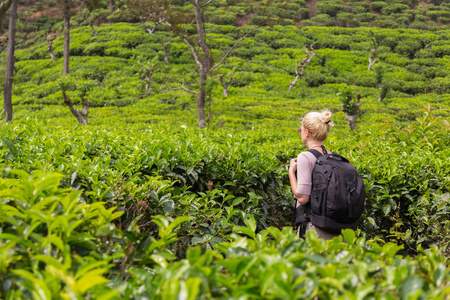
{"points": [[337, 194]]}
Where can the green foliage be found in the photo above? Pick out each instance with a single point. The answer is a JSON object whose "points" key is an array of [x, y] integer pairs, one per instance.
{"points": [[148, 206], [47, 239], [276, 264], [348, 100], [331, 8]]}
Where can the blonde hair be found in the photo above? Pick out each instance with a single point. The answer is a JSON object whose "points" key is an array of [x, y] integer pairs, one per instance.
{"points": [[318, 124]]}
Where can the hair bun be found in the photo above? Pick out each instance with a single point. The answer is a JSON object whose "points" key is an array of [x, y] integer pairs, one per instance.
{"points": [[325, 116]]}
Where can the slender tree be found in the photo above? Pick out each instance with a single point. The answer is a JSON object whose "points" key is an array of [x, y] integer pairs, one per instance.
{"points": [[353, 114], [50, 38], [350, 106], [82, 114], [91, 10], [178, 22], [67, 12], [147, 69], [167, 44], [226, 83], [380, 73], [7, 92]]}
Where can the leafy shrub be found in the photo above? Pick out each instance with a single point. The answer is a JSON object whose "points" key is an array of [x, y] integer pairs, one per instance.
{"points": [[304, 13], [366, 17], [418, 25], [359, 7], [348, 100], [49, 238], [387, 22], [312, 269], [331, 8], [408, 48], [429, 214], [440, 50], [378, 6], [394, 8], [94, 49], [316, 78], [322, 19], [441, 85]]}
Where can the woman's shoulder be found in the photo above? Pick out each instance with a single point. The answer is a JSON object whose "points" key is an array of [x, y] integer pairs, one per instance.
{"points": [[306, 155]]}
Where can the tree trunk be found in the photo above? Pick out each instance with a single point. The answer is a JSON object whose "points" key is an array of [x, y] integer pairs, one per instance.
{"points": [[148, 29], [85, 111], [225, 90], [292, 83], [382, 92], [201, 96], [204, 67], [372, 59], [66, 38], [7, 92], [82, 114], [224, 84], [166, 52], [50, 50], [93, 30], [304, 63], [111, 4], [351, 120]]}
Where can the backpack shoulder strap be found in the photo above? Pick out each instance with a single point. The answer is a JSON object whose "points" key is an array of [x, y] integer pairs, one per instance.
{"points": [[337, 157], [316, 153]]}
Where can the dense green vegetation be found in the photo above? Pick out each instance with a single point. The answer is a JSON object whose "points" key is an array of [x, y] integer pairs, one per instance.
{"points": [[96, 222], [141, 204], [112, 67]]}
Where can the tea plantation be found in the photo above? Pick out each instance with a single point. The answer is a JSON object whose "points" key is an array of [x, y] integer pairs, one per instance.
{"points": [[141, 204]]}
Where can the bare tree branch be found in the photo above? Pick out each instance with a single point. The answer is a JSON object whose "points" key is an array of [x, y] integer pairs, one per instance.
{"points": [[81, 115], [85, 111], [372, 59], [194, 53], [187, 89], [207, 3], [182, 87], [305, 61], [152, 30], [232, 48], [50, 39], [224, 84]]}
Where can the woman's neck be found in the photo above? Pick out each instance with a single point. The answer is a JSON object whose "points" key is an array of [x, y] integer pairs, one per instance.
{"points": [[314, 144]]}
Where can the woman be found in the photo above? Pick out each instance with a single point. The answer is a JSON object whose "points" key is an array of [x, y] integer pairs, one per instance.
{"points": [[314, 131]]}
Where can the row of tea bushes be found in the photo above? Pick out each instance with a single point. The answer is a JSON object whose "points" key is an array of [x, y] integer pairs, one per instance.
{"points": [[157, 169], [54, 245], [413, 63]]}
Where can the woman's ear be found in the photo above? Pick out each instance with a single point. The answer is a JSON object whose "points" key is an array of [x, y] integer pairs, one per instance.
{"points": [[308, 133]]}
